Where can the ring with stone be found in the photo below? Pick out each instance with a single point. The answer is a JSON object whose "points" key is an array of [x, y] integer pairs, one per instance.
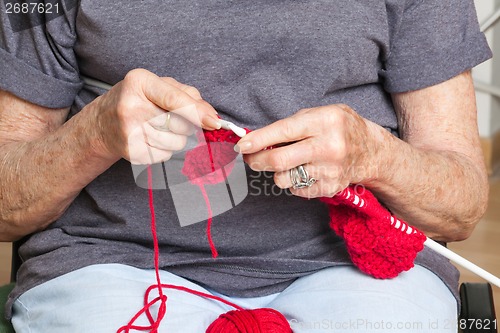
{"points": [[300, 178]]}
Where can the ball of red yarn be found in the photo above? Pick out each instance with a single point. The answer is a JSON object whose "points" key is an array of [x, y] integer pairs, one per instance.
{"points": [[250, 321]]}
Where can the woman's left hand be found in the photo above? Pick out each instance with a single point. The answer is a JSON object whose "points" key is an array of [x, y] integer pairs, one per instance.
{"points": [[333, 143]]}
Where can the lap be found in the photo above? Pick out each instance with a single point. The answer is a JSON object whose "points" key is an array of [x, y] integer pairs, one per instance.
{"points": [[103, 298], [342, 299]]}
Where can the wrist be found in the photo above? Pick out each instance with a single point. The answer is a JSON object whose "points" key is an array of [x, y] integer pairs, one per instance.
{"points": [[97, 133], [380, 147]]}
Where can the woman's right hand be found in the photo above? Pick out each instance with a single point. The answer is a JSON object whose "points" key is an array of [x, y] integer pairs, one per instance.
{"points": [[132, 118]]}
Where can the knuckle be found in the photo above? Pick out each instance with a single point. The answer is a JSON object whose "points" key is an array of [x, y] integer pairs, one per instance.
{"points": [[169, 79], [332, 117], [135, 75], [162, 156], [329, 147], [167, 155], [279, 181], [124, 104], [341, 149], [127, 109], [345, 108], [288, 130], [278, 161], [304, 111], [171, 99], [139, 156], [180, 143], [334, 188], [202, 105], [192, 91], [317, 151], [254, 164], [333, 173]]}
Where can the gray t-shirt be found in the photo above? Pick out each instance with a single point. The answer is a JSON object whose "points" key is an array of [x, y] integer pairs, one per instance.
{"points": [[255, 62]]}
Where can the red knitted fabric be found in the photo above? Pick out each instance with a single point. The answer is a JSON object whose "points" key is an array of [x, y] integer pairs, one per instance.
{"points": [[212, 158], [379, 244]]}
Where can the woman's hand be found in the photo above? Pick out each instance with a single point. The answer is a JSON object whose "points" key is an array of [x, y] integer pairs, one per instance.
{"points": [[334, 144], [145, 118], [60, 157], [434, 177]]}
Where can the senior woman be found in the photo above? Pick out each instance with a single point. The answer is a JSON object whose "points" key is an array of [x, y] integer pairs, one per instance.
{"points": [[376, 93]]}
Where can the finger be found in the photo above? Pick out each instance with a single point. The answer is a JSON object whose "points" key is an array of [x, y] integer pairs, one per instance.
{"points": [[283, 179], [322, 183], [295, 128], [283, 158], [320, 189], [200, 119], [150, 155], [164, 140], [170, 98], [170, 122], [139, 152], [190, 90]]}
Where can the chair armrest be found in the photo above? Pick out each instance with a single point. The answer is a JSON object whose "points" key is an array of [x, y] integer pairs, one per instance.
{"points": [[478, 311]]}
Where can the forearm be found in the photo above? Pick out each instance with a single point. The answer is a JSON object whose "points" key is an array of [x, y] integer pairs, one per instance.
{"points": [[40, 178], [441, 192]]}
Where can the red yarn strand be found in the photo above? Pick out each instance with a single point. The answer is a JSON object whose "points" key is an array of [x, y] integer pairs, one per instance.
{"points": [[155, 323], [197, 293], [213, 249]]}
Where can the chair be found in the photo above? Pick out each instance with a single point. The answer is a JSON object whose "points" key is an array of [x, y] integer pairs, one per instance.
{"points": [[5, 326], [478, 311]]}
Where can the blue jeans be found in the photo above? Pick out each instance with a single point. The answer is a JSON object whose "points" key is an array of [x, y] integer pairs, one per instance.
{"points": [[102, 298]]}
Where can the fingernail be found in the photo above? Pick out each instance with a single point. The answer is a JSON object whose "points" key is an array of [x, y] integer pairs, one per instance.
{"points": [[242, 146], [212, 123]]}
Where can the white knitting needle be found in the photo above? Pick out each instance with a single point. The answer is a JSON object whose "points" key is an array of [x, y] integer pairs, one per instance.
{"points": [[462, 261], [227, 125], [403, 227], [241, 132], [96, 83]]}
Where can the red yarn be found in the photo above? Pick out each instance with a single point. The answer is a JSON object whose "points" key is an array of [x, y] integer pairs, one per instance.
{"points": [[209, 163], [212, 159], [154, 323], [250, 321], [213, 249], [379, 244], [236, 321]]}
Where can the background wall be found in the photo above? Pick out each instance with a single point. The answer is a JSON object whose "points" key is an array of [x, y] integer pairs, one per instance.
{"points": [[489, 107]]}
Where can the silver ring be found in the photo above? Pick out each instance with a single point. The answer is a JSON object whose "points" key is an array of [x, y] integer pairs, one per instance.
{"points": [[300, 178], [166, 126]]}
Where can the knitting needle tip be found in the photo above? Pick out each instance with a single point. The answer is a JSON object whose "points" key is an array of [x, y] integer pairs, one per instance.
{"points": [[227, 125]]}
